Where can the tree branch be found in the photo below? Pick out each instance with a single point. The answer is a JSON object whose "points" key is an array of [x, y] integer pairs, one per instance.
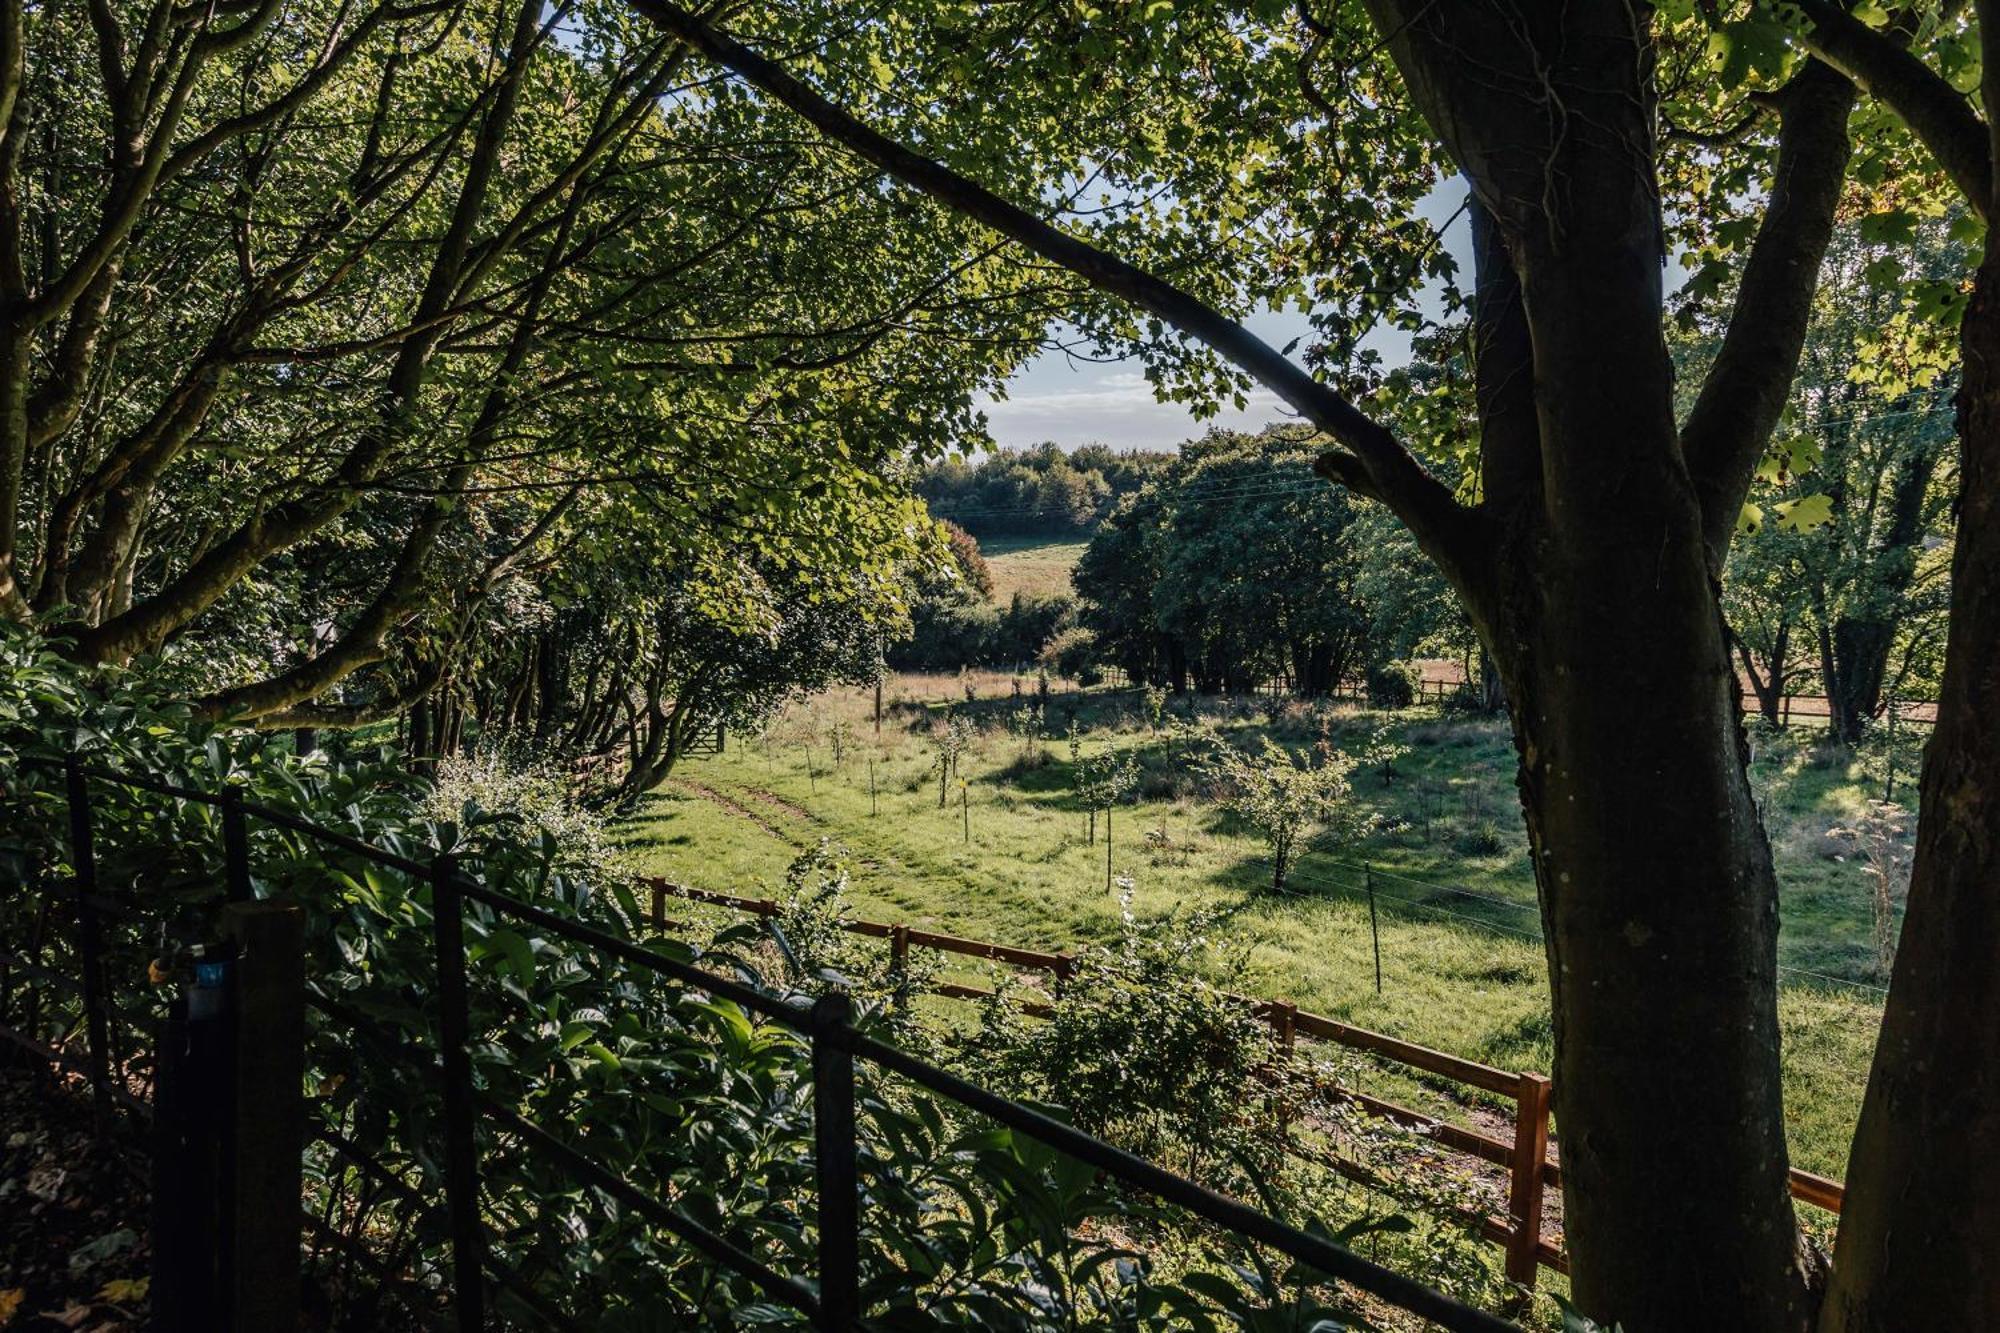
{"points": [[1939, 114], [1393, 475], [1740, 401]]}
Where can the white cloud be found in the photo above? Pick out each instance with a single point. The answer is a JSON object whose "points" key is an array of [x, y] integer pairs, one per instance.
{"points": [[1115, 407]]}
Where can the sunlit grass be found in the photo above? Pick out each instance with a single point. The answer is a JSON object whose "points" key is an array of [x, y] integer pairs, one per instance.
{"points": [[1460, 971]]}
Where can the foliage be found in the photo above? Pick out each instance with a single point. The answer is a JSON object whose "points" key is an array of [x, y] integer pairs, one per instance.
{"points": [[499, 299], [949, 736], [1145, 1046], [1841, 569], [686, 1096], [1104, 780], [1234, 564], [1042, 491]]}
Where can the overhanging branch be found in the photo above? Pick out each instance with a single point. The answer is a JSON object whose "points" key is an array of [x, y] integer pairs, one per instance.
{"points": [[1938, 113], [1388, 470]]}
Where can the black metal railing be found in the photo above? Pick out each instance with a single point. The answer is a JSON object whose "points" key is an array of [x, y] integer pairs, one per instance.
{"points": [[832, 1301]]}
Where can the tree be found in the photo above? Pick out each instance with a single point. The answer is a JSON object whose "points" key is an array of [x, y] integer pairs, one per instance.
{"points": [[1288, 799], [1247, 570], [1588, 552], [648, 640], [315, 309], [1846, 548], [1923, 1203]]}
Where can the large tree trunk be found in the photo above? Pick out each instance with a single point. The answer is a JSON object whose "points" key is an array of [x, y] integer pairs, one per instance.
{"points": [[1919, 1244], [1659, 899], [1599, 606]]}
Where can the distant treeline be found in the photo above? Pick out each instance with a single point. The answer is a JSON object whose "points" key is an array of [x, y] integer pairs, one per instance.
{"points": [[1042, 491], [1229, 563]]}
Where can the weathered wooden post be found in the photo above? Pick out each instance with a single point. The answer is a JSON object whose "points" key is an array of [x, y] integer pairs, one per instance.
{"points": [[1524, 1188]]}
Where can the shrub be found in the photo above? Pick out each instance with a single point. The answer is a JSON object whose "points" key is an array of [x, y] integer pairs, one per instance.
{"points": [[1072, 652], [1142, 1048], [1393, 685], [1483, 838], [683, 1094]]}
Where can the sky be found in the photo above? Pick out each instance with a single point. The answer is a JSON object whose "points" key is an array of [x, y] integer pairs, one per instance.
{"points": [[1056, 397]]}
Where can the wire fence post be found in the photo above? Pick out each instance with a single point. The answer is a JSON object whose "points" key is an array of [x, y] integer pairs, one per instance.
{"points": [[461, 1183], [1524, 1187], [1374, 923], [89, 939], [838, 1178]]}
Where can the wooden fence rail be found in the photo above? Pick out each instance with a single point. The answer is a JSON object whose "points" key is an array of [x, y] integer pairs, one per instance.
{"points": [[1525, 1156]]}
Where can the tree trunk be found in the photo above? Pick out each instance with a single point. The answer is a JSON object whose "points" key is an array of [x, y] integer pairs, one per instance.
{"points": [[1768, 685], [1660, 913], [1917, 1246], [1659, 901], [1863, 636]]}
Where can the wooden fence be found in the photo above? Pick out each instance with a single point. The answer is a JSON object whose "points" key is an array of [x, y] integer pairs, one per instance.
{"points": [[1524, 1156]]}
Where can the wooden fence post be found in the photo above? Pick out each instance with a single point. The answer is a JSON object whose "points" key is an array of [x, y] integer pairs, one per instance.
{"points": [[837, 1174], [267, 1030], [1524, 1190], [659, 905], [899, 962], [1284, 1017]]}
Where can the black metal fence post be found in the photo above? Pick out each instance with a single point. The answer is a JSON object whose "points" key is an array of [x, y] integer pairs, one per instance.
{"points": [[839, 1181], [267, 1111], [461, 1185], [89, 938], [235, 847]]}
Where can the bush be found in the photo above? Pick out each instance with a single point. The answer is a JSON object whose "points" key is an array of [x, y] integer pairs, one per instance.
{"points": [[1393, 685], [1142, 1049], [1072, 652], [1483, 839]]}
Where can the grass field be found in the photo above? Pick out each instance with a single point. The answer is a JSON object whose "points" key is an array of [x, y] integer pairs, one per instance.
{"points": [[1462, 969], [1036, 566]]}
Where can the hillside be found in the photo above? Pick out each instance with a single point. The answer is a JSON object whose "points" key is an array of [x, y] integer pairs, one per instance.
{"points": [[1031, 566], [1463, 967]]}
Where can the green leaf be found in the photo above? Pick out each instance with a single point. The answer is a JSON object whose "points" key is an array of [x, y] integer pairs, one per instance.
{"points": [[1805, 513]]}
